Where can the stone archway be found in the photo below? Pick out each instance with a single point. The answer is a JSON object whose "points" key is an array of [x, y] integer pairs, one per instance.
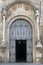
{"points": [[21, 30], [33, 26]]}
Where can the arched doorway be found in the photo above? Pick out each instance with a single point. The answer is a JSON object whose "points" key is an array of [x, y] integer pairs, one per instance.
{"points": [[20, 41]]}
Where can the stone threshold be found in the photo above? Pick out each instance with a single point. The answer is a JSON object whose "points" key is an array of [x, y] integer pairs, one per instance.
{"points": [[21, 64]]}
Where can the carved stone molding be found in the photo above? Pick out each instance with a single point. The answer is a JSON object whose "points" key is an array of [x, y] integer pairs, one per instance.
{"points": [[29, 2]]}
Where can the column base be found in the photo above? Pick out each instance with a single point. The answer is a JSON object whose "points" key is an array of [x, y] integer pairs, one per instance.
{"points": [[3, 45], [39, 45]]}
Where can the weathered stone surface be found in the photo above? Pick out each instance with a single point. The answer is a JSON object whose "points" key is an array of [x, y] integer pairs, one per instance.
{"points": [[16, 11]]}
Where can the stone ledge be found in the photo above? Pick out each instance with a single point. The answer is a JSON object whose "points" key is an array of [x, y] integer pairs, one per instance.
{"points": [[40, 49], [20, 64]]}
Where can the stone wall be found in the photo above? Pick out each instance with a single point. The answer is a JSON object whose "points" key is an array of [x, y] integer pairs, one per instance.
{"points": [[25, 10]]}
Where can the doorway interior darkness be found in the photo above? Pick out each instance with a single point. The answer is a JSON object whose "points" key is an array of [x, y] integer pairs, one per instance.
{"points": [[20, 41], [20, 50]]}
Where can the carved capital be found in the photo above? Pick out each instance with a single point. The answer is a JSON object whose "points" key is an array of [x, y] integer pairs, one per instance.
{"points": [[37, 12], [3, 46], [4, 11]]}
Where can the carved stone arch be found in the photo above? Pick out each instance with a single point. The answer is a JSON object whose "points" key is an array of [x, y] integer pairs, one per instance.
{"points": [[33, 33], [11, 19], [33, 5]]}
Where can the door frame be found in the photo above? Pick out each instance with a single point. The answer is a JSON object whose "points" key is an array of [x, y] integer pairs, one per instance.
{"points": [[33, 32]]}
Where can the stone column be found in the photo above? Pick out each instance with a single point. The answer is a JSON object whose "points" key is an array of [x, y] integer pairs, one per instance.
{"points": [[37, 15], [4, 20]]}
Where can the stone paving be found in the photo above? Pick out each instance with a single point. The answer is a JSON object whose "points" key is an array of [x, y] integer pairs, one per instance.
{"points": [[20, 64]]}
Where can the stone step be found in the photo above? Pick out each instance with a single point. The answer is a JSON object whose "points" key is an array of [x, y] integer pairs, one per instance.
{"points": [[19, 64]]}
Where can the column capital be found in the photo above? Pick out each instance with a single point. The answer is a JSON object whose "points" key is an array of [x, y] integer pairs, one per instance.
{"points": [[39, 44], [4, 11], [3, 45], [37, 13]]}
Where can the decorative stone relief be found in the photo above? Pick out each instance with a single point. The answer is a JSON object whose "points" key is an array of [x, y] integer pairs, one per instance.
{"points": [[19, 7], [27, 7]]}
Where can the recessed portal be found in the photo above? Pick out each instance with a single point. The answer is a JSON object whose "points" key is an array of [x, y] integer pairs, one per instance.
{"points": [[20, 41], [20, 50]]}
